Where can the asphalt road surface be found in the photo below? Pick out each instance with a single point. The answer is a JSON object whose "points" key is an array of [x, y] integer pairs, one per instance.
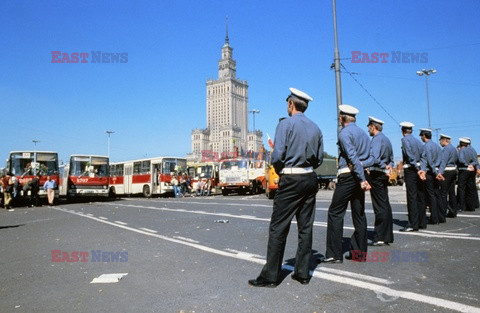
{"points": [[196, 254]]}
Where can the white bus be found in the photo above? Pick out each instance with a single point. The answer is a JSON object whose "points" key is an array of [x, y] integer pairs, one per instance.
{"points": [[85, 175], [149, 177]]}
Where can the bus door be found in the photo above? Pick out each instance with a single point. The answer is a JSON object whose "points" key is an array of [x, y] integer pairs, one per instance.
{"points": [[127, 182], [156, 173]]}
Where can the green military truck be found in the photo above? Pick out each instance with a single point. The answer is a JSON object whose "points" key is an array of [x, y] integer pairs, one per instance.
{"points": [[327, 174]]}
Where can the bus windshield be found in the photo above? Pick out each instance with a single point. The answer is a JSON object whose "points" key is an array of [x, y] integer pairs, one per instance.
{"points": [[22, 163], [173, 165], [228, 165], [88, 166]]}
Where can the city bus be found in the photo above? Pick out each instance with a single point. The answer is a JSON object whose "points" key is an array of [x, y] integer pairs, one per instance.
{"points": [[25, 165], [203, 170], [149, 177], [85, 176]]}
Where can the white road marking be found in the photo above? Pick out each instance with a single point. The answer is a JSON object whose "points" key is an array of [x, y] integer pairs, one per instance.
{"points": [[320, 224], [103, 218], [186, 239], [121, 223], [108, 278], [439, 302], [149, 230], [270, 206]]}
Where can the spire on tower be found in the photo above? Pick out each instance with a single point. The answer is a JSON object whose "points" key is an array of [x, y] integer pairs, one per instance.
{"points": [[226, 37]]}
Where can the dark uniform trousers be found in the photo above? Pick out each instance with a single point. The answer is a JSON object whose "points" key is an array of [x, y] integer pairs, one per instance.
{"points": [[415, 199], [348, 189], [465, 190], [295, 197], [447, 191], [381, 206], [432, 189]]}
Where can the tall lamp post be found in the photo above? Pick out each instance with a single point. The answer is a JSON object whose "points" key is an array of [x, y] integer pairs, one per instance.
{"points": [[254, 111], [109, 132], [427, 73], [35, 156], [336, 56]]}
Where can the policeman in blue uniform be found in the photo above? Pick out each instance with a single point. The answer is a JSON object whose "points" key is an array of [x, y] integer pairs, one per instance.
{"points": [[448, 168], [298, 150], [430, 161], [466, 173], [476, 166], [411, 151], [378, 176], [353, 159]]}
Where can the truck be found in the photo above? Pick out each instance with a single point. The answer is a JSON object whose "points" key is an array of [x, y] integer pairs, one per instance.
{"points": [[241, 175], [327, 174]]}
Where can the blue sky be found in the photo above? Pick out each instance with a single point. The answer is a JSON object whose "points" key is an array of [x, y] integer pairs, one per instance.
{"points": [[153, 101]]}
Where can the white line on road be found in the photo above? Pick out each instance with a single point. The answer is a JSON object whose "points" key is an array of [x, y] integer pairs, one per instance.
{"points": [[320, 224], [103, 218], [439, 302], [186, 239], [149, 230], [121, 223]]}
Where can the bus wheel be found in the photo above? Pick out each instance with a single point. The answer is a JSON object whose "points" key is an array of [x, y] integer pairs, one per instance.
{"points": [[224, 192], [146, 191], [112, 193]]}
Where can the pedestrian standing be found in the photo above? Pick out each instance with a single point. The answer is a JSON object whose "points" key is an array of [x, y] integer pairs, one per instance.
{"points": [[351, 184], [430, 161], [298, 151], [411, 151], [448, 169], [466, 170], [378, 176], [7, 185], [50, 186]]}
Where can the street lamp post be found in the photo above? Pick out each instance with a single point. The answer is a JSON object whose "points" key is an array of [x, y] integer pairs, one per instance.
{"points": [[338, 81], [109, 132], [254, 111], [427, 73], [35, 156]]}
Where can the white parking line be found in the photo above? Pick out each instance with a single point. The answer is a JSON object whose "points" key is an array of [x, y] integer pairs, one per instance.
{"points": [[121, 223], [439, 302]]}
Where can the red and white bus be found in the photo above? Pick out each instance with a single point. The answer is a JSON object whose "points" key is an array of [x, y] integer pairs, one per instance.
{"points": [[203, 170], [25, 165], [84, 176], [149, 177]]}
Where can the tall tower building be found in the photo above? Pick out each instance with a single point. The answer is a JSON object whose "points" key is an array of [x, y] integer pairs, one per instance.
{"points": [[227, 112]]}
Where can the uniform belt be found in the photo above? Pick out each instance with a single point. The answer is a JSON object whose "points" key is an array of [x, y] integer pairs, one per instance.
{"points": [[343, 171], [378, 169], [409, 165], [297, 170], [450, 168], [463, 168]]}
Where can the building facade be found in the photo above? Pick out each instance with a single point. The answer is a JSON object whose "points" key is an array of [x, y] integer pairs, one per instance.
{"points": [[227, 114]]}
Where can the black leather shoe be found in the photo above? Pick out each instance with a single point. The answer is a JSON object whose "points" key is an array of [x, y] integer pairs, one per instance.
{"points": [[303, 281], [260, 282], [451, 214], [331, 260]]}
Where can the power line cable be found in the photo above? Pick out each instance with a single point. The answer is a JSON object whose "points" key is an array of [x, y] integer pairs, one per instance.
{"points": [[368, 93]]}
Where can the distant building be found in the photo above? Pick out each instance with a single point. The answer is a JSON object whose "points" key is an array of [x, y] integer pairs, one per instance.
{"points": [[227, 114]]}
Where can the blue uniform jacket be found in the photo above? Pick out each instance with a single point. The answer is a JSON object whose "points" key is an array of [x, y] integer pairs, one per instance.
{"points": [[381, 151], [449, 158], [354, 149], [298, 143], [431, 157], [411, 150]]}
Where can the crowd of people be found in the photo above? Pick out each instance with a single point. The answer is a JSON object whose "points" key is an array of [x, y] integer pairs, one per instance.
{"points": [[12, 189], [183, 186], [430, 172]]}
